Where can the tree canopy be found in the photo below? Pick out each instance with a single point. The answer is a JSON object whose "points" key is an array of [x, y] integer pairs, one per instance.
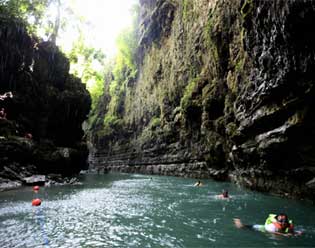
{"points": [[49, 18]]}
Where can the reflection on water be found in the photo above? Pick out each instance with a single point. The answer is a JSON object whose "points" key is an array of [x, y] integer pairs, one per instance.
{"points": [[122, 210]]}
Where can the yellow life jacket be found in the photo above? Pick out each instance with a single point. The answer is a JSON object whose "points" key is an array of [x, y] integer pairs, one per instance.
{"points": [[272, 220]]}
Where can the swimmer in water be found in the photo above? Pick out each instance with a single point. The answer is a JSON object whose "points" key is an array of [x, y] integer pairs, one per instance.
{"points": [[224, 195], [275, 223], [198, 184]]}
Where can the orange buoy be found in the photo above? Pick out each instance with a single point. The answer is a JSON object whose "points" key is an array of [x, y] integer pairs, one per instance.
{"points": [[36, 188], [36, 202]]}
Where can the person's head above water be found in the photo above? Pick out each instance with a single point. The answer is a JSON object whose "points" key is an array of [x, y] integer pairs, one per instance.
{"points": [[282, 219], [225, 193], [198, 183], [282, 223]]}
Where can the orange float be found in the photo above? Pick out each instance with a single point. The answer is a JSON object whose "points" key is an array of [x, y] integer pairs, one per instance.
{"points": [[36, 202]]}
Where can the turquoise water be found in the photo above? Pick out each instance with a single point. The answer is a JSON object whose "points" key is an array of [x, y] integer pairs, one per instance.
{"points": [[125, 210]]}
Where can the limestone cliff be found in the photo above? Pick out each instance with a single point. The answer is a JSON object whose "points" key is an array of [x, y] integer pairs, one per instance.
{"points": [[224, 90], [42, 130]]}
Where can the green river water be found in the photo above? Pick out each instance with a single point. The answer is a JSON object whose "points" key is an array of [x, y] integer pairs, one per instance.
{"points": [[129, 210]]}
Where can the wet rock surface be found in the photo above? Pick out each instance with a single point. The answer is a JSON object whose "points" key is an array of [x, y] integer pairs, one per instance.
{"points": [[35, 180], [225, 90]]}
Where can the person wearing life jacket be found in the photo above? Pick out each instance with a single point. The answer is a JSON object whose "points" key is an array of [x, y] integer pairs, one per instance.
{"points": [[279, 224]]}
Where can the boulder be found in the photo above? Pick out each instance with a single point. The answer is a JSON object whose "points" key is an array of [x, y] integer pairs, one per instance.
{"points": [[35, 180]]}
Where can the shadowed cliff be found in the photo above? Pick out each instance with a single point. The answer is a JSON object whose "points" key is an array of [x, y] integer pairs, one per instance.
{"points": [[42, 130]]}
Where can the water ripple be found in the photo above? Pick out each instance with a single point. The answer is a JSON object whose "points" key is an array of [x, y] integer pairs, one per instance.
{"points": [[137, 211]]}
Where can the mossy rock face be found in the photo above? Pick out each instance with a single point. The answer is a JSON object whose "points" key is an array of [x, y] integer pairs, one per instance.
{"points": [[231, 83]]}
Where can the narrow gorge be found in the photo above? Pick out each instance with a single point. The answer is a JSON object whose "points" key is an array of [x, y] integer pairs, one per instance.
{"points": [[223, 90], [220, 89]]}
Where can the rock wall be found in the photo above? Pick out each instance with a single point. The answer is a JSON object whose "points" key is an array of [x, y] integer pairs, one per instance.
{"points": [[42, 130], [224, 91]]}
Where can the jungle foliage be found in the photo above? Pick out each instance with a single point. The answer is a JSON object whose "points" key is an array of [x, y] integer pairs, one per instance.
{"points": [[124, 71], [88, 63]]}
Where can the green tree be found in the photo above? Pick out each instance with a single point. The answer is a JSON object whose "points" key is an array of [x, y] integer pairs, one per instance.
{"points": [[31, 12], [88, 64], [55, 31], [45, 18], [124, 71], [25, 9]]}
